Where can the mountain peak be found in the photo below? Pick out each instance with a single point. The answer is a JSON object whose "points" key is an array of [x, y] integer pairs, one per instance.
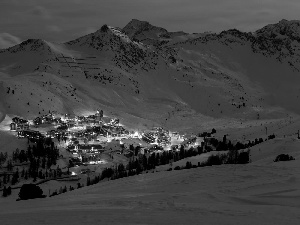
{"points": [[136, 27], [31, 45], [106, 36], [136, 22], [148, 34], [282, 29]]}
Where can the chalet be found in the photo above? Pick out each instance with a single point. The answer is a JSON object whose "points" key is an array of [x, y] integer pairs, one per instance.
{"points": [[37, 121], [189, 142], [175, 134], [22, 126], [106, 120], [18, 120], [200, 141], [51, 133], [31, 134], [149, 137], [88, 148], [114, 121], [71, 124], [13, 126]]}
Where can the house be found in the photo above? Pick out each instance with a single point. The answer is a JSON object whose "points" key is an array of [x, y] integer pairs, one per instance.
{"points": [[37, 121], [105, 119], [114, 121], [89, 148], [18, 120], [199, 141], [189, 142], [32, 134], [13, 126], [22, 126]]}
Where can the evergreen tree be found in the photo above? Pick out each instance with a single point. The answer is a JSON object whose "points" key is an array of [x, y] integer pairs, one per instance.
{"points": [[88, 182], [40, 174], [23, 173], [4, 193], [8, 191], [4, 178]]}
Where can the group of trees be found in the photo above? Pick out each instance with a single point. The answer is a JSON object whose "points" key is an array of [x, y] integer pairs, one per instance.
{"points": [[284, 157], [145, 164], [228, 145], [3, 158], [90, 181], [40, 157], [44, 149], [224, 144], [6, 191], [232, 157], [64, 189], [61, 191]]}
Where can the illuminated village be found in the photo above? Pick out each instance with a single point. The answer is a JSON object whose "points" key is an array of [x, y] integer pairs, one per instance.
{"points": [[86, 140]]}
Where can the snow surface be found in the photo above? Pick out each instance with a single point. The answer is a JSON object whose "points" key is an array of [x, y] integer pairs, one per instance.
{"points": [[256, 193]]}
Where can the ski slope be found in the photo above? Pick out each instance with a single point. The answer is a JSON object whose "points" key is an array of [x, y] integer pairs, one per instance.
{"points": [[256, 193]]}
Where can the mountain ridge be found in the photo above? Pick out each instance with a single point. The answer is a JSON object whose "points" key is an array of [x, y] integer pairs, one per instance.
{"points": [[215, 76]]}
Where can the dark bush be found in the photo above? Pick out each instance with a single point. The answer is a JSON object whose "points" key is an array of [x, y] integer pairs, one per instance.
{"points": [[30, 191], [188, 165], [53, 194], [214, 160], [177, 168], [243, 158], [284, 157]]}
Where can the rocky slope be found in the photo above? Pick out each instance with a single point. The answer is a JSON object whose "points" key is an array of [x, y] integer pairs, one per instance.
{"points": [[148, 34]]}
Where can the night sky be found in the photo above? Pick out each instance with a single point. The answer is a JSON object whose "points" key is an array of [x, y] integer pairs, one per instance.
{"points": [[63, 20]]}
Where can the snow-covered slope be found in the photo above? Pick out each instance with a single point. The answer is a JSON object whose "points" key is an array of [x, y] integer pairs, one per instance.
{"points": [[191, 80], [245, 194]]}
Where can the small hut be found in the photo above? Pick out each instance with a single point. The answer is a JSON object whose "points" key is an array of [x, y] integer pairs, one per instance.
{"points": [[13, 126]]}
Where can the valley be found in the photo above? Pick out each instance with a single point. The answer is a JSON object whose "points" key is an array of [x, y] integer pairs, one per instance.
{"points": [[139, 125]]}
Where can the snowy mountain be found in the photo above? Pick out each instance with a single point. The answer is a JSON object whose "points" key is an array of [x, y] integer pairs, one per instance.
{"points": [[246, 85], [148, 76]]}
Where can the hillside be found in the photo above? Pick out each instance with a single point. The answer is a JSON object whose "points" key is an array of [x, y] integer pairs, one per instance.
{"points": [[246, 194], [149, 76]]}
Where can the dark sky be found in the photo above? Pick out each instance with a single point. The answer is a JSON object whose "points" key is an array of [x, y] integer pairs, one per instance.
{"points": [[62, 20]]}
